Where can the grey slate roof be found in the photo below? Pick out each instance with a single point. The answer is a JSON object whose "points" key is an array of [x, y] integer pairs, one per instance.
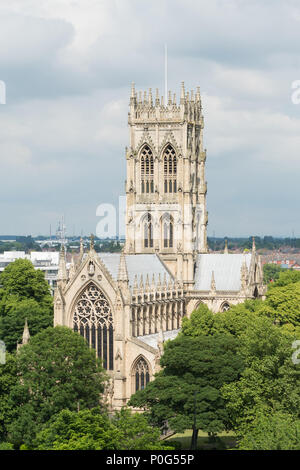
{"points": [[152, 340], [139, 265], [227, 271]]}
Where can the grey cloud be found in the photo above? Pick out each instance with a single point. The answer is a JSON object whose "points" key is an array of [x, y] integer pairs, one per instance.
{"points": [[64, 128]]}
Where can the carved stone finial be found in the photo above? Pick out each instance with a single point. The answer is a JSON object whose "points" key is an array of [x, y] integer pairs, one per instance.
{"points": [[122, 274], [213, 283], [182, 95], [92, 243], [157, 97]]}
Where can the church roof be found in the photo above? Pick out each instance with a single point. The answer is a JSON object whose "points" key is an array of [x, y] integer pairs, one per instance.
{"points": [[137, 265], [226, 269], [152, 340]]}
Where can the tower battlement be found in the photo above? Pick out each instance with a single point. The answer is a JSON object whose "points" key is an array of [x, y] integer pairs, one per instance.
{"points": [[144, 107]]}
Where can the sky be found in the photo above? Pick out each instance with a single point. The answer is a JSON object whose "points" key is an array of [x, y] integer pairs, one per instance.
{"points": [[68, 67]]}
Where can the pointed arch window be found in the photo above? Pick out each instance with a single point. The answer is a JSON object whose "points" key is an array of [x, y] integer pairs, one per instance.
{"points": [[168, 231], [225, 307], [92, 319], [141, 374], [148, 231], [147, 170], [170, 170]]}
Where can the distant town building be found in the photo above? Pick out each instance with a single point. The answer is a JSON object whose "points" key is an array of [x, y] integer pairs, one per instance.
{"points": [[46, 261]]}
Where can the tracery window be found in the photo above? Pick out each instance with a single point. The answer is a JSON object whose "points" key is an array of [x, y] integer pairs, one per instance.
{"points": [[168, 231], [147, 170], [170, 170], [93, 320], [148, 231], [141, 374]]}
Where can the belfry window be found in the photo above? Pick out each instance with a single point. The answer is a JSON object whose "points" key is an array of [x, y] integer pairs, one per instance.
{"points": [[147, 170], [148, 232], [141, 374], [93, 320], [170, 170]]}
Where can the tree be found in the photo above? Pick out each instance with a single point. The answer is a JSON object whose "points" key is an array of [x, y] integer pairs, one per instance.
{"points": [[271, 272], [12, 322], [56, 371], [271, 431], [286, 277], [285, 302], [270, 380], [8, 378], [83, 430], [25, 294], [92, 430], [201, 364], [136, 433], [20, 280], [204, 322]]}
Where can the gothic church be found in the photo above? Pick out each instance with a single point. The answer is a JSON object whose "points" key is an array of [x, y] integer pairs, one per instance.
{"points": [[126, 305]]}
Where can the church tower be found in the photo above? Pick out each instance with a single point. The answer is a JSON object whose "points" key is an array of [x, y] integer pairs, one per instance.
{"points": [[165, 187]]}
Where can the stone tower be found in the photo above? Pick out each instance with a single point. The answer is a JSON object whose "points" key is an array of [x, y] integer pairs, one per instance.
{"points": [[165, 187]]}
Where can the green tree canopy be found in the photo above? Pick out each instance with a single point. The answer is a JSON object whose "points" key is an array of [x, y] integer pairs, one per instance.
{"points": [[269, 380], [12, 322], [204, 322], [286, 277], [285, 303], [24, 294], [56, 371], [83, 430], [192, 364], [93, 430], [271, 431], [20, 280], [271, 272], [8, 378]]}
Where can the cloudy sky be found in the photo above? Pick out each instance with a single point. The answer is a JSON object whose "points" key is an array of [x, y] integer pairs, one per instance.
{"points": [[68, 65]]}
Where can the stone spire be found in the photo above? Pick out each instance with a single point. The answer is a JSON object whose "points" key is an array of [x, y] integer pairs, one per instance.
{"points": [[159, 282], [72, 269], [153, 285], [123, 273], [213, 283], [26, 334], [141, 284], [147, 285], [157, 102], [132, 96], [182, 94], [253, 245], [244, 275], [25, 337], [135, 285], [81, 251], [226, 247], [62, 269], [92, 242]]}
